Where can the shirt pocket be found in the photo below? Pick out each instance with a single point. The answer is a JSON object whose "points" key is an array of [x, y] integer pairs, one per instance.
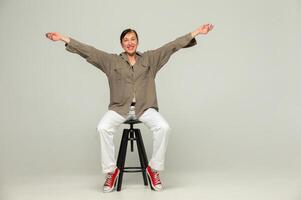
{"points": [[146, 71], [118, 73]]}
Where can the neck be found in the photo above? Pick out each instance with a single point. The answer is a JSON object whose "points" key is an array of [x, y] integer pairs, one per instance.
{"points": [[132, 58], [132, 55]]}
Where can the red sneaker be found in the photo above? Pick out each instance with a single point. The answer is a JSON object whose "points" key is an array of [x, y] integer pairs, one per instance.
{"points": [[154, 178], [110, 180]]}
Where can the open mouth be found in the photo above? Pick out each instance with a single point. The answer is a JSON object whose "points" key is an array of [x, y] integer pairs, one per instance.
{"points": [[130, 48]]}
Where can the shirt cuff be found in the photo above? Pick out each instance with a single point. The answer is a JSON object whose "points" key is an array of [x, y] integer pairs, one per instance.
{"points": [[71, 45], [190, 41]]}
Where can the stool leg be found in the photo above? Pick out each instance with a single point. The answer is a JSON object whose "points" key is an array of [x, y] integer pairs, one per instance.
{"points": [[122, 156], [132, 139], [142, 154], [143, 149]]}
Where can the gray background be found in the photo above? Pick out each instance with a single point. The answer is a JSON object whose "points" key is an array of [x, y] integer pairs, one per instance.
{"points": [[233, 101]]}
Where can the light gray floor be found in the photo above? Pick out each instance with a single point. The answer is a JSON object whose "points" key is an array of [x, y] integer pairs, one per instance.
{"points": [[206, 185]]}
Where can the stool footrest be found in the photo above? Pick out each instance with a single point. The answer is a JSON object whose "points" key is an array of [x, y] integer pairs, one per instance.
{"points": [[132, 169]]}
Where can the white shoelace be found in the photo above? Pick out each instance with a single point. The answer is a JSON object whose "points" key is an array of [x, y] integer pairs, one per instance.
{"points": [[109, 179], [157, 177]]}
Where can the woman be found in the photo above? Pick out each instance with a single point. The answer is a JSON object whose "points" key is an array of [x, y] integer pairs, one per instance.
{"points": [[131, 76]]}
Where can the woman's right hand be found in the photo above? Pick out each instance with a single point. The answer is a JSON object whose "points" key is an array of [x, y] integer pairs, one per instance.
{"points": [[55, 36]]}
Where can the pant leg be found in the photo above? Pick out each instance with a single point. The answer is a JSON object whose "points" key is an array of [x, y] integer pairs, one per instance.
{"points": [[160, 129], [106, 128]]}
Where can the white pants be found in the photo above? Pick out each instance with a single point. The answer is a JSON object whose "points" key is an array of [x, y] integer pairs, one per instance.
{"points": [[152, 119]]}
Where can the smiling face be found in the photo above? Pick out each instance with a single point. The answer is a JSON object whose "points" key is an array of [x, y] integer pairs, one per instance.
{"points": [[129, 43]]}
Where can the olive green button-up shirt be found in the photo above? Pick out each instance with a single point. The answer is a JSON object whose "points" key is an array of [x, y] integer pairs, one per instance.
{"points": [[127, 81]]}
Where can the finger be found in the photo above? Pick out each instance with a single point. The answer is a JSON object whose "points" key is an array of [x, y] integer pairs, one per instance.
{"points": [[50, 36]]}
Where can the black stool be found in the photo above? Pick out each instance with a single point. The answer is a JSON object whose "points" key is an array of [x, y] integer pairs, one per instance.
{"points": [[131, 135]]}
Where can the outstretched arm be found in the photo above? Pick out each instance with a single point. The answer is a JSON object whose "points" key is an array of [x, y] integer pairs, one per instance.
{"points": [[159, 57], [98, 58]]}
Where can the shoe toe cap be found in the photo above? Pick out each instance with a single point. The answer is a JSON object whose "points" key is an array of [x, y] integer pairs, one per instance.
{"points": [[158, 187], [107, 189]]}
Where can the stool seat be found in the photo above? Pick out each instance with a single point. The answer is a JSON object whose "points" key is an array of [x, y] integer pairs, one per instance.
{"points": [[132, 121], [132, 134]]}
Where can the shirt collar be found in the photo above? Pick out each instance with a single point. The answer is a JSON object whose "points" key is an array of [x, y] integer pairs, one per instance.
{"points": [[124, 56]]}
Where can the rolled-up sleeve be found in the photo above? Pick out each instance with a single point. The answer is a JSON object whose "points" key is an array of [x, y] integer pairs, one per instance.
{"points": [[159, 57], [98, 58]]}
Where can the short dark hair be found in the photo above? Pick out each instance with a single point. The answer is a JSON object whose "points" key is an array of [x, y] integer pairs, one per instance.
{"points": [[126, 31]]}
